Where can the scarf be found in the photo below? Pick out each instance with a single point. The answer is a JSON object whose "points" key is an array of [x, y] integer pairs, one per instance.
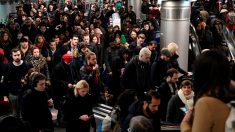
{"points": [[96, 78], [187, 100]]}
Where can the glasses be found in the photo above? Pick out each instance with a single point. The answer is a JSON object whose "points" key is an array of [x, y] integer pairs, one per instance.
{"points": [[129, 129]]}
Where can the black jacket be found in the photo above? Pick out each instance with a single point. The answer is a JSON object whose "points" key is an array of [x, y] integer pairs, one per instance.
{"points": [[175, 64], [35, 110], [12, 77], [75, 107], [62, 75], [174, 113], [165, 95], [137, 76], [136, 109], [158, 71]]}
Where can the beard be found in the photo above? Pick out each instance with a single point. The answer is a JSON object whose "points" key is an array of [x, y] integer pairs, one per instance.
{"points": [[149, 112], [17, 60]]}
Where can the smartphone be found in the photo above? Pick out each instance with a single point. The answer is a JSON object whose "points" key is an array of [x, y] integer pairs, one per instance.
{"points": [[184, 109]]}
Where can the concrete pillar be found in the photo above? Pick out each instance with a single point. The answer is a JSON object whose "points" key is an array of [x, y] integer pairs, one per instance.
{"points": [[175, 23]]}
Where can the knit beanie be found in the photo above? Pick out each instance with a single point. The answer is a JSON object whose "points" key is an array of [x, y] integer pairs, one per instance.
{"points": [[123, 39]]}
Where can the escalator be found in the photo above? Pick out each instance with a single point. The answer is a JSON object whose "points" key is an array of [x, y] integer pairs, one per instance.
{"points": [[230, 43], [194, 47]]}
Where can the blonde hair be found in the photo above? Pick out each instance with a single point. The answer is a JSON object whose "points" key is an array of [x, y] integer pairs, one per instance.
{"points": [[80, 85], [172, 47]]}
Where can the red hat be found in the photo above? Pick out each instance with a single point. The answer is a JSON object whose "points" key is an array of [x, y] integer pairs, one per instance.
{"points": [[1, 51], [67, 56]]}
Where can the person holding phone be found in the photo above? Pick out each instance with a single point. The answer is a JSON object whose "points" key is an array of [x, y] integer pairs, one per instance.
{"points": [[180, 103], [78, 113]]}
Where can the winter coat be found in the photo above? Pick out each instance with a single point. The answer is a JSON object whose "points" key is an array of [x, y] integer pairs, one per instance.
{"points": [[137, 76], [136, 109], [75, 107], [35, 110], [166, 94], [62, 75], [174, 113], [93, 78]]}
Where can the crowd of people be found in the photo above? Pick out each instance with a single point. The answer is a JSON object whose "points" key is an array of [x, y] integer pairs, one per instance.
{"points": [[58, 55]]}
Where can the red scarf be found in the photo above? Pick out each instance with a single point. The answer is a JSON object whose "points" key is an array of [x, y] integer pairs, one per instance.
{"points": [[96, 78]]}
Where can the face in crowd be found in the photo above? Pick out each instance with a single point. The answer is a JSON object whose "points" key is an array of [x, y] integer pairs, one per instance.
{"points": [[151, 107], [74, 41], [16, 56]]}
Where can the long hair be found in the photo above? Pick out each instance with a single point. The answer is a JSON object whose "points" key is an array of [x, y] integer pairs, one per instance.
{"points": [[212, 75]]}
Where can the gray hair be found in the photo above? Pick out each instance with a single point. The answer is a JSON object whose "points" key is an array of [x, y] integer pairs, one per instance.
{"points": [[140, 124], [144, 52]]}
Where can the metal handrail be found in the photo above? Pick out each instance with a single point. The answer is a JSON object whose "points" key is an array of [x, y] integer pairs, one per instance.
{"points": [[196, 44], [229, 42]]}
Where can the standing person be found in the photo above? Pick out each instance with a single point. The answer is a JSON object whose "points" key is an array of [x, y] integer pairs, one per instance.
{"points": [[39, 63], [90, 45], [70, 46], [147, 107], [78, 109], [136, 45], [173, 48], [211, 85], [35, 105], [6, 43], [90, 73], [160, 66], [14, 73], [3, 64], [63, 77], [182, 100], [137, 73], [25, 48], [167, 90]]}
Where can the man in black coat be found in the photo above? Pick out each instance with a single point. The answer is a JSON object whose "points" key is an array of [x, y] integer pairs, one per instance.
{"points": [[148, 107], [160, 67], [137, 73], [35, 105], [64, 76], [167, 89]]}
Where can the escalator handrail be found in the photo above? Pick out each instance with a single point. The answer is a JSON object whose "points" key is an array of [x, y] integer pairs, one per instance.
{"points": [[229, 38], [193, 31]]}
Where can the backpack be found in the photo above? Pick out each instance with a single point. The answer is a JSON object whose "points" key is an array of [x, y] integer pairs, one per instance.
{"points": [[230, 122], [231, 18]]}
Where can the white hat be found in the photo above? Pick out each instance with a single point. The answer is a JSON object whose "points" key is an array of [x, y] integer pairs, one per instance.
{"points": [[223, 10]]}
